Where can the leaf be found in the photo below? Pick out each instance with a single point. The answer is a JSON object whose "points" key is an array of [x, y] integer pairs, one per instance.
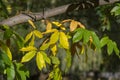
{"points": [[81, 25], [104, 41], [40, 61], [50, 31], [55, 60], [28, 36], [64, 40], [46, 58], [110, 47], [73, 25], [58, 24], [10, 73], [54, 49], [37, 33], [78, 35], [7, 34], [6, 49], [32, 24], [116, 48], [96, 40], [32, 41], [28, 56], [54, 37], [49, 26], [44, 46], [86, 36], [28, 48]]}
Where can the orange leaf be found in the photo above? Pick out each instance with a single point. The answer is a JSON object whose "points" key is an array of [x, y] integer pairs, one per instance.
{"points": [[73, 25]]}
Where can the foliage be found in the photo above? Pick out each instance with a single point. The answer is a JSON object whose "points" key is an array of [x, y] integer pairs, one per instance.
{"points": [[74, 38]]}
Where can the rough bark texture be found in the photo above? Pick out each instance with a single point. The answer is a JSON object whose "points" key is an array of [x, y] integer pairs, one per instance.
{"points": [[24, 17]]}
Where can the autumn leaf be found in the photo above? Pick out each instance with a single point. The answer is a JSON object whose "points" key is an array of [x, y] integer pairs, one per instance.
{"points": [[32, 41], [54, 49], [37, 33], [54, 37], [58, 24], [40, 61], [28, 56], [49, 26], [31, 23], [28, 36], [64, 40], [28, 48], [73, 25]]}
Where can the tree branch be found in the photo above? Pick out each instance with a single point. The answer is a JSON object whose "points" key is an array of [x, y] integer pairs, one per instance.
{"points": [[24, 17]]}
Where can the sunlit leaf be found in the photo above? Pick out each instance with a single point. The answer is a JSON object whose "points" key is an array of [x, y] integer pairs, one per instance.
{"points": [[6, 49], [81, 25], [67, 20], [46, 58], [38, 33], [32, 41], [44, 46], [54, 37], [104, 41], [28, 36], [64, 40], [86, 36], [73, 25], [54, 49], [78, 35], [49, 26], [116, 49], [28, 48], [110, 47], [28, 56], [82, 49], [32, 24], [40, 61], [50, 31], [58, 24]]}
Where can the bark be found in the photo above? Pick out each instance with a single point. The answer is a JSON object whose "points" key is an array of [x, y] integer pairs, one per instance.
{"points": [[24, 17]]}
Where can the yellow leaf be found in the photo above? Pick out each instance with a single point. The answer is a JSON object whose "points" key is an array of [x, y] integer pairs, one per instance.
{"points": [[28, 48], [49, 26], [32, 24], [49, 31], [40, 61], [28, 56], [73, 25], [68, 20], [54, 49], [28, 36], [82, 49], [44, 46], [81, 25], [38, 33], [6, 49], [64, 40], [32, 41], [59, 25], [54, 37]]}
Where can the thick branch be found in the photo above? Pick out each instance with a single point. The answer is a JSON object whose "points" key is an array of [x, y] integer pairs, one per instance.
{"points": [[24, 17]]}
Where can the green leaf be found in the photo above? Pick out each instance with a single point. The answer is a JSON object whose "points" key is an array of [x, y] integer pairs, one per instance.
{"points": [[116, 49], [40, 61], [104, 41], [28, 56], [5, 58], [86, 36], [7, 34], [10, 73], [28, 48], [54, 37], [110, 47], [32, 41], [55, 60], [21, 71], [78, 35], [96, 40], [116, 10]]}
